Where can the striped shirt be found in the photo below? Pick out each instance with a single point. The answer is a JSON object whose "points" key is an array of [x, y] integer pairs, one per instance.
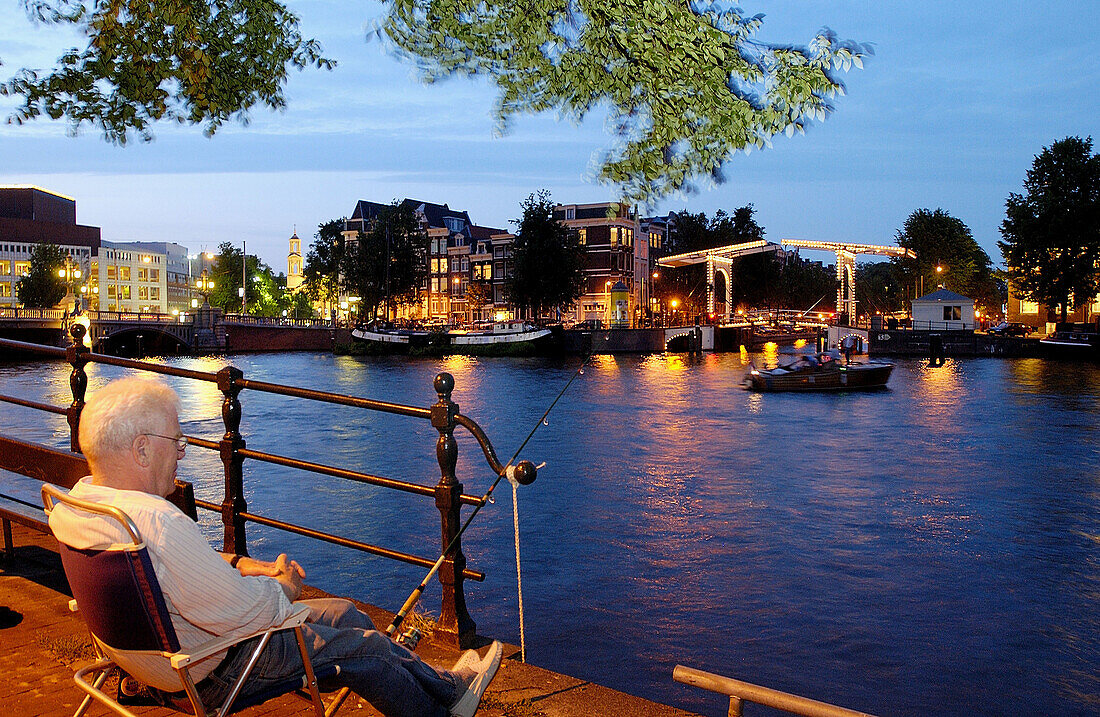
{"points": [[206, 598]]}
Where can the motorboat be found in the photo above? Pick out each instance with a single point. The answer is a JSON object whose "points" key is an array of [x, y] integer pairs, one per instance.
{"points": [[822, 371]]}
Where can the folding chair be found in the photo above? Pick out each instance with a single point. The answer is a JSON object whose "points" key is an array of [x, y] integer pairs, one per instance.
{"points": [[121, 602]]}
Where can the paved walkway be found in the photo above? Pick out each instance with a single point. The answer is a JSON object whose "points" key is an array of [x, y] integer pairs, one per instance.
{"points": [[39, 653]]}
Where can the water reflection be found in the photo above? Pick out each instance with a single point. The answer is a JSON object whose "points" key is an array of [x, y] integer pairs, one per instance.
{"points": [[941, 533]]}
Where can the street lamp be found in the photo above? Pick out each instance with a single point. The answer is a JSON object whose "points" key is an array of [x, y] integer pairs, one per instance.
{"points": [[70, 274], [205, 286]]}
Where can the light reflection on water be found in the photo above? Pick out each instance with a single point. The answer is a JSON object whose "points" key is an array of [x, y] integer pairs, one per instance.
{"points": [[933, 547]]}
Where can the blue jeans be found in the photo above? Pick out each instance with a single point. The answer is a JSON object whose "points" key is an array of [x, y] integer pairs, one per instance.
{"points": [[393, 679]]}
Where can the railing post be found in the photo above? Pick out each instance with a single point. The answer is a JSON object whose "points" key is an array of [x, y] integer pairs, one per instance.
{"points": [[455, 626], [231, 443], [77, 355]]}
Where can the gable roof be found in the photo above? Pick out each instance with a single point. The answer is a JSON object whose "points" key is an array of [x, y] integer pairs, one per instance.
{"points": [[944, 295], [433, 213]]}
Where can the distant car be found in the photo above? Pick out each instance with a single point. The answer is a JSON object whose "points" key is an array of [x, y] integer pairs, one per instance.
{"points": [[1011, 329]]}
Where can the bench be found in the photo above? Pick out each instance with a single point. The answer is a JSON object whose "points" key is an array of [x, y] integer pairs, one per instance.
{"points": [[25, 466]]}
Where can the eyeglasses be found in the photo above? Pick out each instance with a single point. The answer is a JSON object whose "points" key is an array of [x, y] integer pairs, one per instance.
{"points": [[180, 441]]}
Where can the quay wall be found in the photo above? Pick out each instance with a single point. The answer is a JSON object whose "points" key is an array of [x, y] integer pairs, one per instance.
{"points": [[885, 342], [248, 338]]}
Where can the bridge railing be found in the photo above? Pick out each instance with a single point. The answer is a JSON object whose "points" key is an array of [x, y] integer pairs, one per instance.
{"points": [[18, 312], [136, 316], [455, 624], [276, 321]]}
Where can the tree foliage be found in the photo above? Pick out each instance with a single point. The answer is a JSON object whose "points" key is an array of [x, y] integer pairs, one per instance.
{"points": [[880, 287], [42, 288], [386, 265], [321, 274], [1051, 233], [200, 62], [686, 83], [695, 232], [266, 294], [547, 259], [945, 242]]}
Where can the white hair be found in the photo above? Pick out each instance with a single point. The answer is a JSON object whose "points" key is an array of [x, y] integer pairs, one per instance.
{"points": [[121, 411]]}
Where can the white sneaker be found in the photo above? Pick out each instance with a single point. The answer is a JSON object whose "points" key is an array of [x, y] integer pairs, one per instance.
{"points": [[468, 662], [467, 704]]}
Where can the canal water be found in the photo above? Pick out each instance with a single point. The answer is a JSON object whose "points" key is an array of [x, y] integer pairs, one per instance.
{"points": [[932, 548]]}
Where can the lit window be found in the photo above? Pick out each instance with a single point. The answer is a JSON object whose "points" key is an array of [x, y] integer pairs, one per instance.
{"points": [[952, 313], [5, 268], [1029, 307], [582, 236], [124, 273]]}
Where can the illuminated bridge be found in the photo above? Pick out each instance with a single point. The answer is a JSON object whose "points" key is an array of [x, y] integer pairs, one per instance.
{"points": [[720, 259]]}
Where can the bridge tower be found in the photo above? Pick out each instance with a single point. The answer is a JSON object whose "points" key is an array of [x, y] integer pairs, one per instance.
{"points": [[846, 253]]}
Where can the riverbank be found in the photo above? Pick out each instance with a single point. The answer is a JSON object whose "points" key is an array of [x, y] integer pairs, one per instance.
{"points": [[46, 644]]}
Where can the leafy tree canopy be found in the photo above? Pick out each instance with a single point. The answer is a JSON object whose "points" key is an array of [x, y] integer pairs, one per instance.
{"points": [[200, 62], [547, 259], [42, 288], [686, 83], [322, 268], [695, 232], [1051, 233], [264, 294], [946, 254]]}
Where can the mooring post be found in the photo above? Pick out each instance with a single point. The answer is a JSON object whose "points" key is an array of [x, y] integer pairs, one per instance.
{"points": [[77, 355], [455, 626], [231, 443]]}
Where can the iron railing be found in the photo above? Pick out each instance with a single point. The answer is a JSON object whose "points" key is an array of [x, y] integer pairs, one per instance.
{"points": [[455, 625], [276, 321], [18, 312], [142, 316], [740, 692]]}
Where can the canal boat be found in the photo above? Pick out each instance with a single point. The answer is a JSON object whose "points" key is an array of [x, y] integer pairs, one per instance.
{"points": [[1071, 344], [501, 337], [819, 372]]}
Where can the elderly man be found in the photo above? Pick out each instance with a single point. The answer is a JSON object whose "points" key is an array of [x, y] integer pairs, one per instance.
{"points": [[130, 433]]}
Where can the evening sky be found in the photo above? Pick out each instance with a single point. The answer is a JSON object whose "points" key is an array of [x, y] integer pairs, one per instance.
{"points": [[949, 113]]}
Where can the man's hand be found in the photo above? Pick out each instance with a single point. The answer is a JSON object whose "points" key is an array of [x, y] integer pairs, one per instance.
{"points": [[250, 566], [288, 573]]}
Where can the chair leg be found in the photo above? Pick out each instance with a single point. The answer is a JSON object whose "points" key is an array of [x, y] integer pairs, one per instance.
{"points": [[98, 683], [244, 675], [311, 679]]}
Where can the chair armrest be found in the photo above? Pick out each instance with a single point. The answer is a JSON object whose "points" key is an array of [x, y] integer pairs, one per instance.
{"points": [[218, 644]]}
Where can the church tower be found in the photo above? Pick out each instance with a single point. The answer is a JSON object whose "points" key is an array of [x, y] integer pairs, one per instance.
{"points": [[294, 276]]}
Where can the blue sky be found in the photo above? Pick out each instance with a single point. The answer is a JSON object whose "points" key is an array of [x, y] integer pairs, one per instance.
{"points": [[949, 113]]}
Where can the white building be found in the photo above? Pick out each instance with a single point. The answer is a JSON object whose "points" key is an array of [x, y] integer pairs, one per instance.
{"points": [[943, 310], [128, 277]]}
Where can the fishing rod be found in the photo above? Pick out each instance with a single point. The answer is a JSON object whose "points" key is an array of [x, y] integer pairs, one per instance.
{"points": [[523, 473]]}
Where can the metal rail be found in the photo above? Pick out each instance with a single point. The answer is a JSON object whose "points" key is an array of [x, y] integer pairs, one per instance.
{"points": [[455, 623], [740, 692]]}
